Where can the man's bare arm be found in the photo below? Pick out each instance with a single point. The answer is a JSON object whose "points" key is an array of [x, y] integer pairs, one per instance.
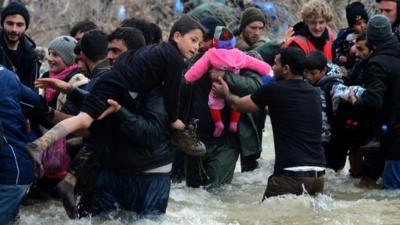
{"points": [[243, 104]]}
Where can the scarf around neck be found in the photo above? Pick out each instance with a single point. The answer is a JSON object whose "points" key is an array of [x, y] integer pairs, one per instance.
{"points": [[51, 93]]}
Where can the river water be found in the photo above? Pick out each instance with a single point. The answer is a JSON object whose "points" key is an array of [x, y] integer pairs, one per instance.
{"points": [[239, 203]]}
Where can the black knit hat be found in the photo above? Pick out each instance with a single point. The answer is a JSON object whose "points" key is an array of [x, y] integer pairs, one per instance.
{"points": [[209, 24], [15, 8], [250, 15], [355, 12]]}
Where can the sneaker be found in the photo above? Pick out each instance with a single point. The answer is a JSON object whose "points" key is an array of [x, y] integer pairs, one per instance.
{"points": [[188, 141]]}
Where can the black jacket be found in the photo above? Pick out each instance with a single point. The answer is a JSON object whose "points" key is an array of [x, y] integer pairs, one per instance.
{"points": [[382, 82], [26, 63], [151, 66], [135, 139]]}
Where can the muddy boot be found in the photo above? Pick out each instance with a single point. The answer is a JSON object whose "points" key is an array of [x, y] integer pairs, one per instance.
{"points": [[188, 141]]}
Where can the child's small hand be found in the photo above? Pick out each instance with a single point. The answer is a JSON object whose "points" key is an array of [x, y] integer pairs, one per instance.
{"points": [[342, 59], [178, 125], [352, 99]]}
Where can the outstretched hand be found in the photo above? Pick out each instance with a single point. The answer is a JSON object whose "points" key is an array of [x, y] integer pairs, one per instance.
{"points": [[53, 83], [114, 107], [288, 35], [220, 88]]}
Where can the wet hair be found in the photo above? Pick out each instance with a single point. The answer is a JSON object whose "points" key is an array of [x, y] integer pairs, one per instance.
{"points": [[315, 60], [184, 25], [294, 58], [132, 37], [151, 32], [83, 26], [316, 8], [363, 37], [94, 45]]}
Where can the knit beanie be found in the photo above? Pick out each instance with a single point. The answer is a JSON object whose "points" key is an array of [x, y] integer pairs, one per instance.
{"points": [[250, 15], [355, 12], [209, 23], [379, 30], [15, 8], [64, 47], [223, 38]]}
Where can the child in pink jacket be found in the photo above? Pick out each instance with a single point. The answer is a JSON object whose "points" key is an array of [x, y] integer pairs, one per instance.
{"points": [[224, 56]]}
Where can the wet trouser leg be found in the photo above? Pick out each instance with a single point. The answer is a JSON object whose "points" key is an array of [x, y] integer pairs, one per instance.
{"points": [[283, 184], [145, 194], [214, 169]]}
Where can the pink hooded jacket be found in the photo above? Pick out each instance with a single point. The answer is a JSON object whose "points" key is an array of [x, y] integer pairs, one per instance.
{"points": [[229, 59]]}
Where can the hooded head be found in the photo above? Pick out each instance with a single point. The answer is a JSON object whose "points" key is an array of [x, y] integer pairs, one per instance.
{"points": [[223, 38], [356, 12]]}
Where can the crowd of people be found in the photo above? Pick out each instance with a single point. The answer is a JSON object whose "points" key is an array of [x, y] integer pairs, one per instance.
{"points": [[117, 117]]}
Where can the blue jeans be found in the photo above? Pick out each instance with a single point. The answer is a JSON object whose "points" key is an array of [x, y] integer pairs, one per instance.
{"points": [[391, 175], [146, 194], [10, 199]]}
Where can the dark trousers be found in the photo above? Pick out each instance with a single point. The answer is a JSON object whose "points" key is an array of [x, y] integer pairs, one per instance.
{"points": [[284, 184], [146, 194]]}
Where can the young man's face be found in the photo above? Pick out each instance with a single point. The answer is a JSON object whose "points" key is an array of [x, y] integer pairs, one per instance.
{"points": [[277, 68], [115, 48], [317, 26], [252, 32], [56, 63], [14, 27], [360, 26], [313, 76], [362, 50], [389, 9]]}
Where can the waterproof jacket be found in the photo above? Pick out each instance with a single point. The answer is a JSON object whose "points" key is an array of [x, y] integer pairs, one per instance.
{"points": [[194, 100], [16, 165], [382, 82], [26, 65], [144, 142]]}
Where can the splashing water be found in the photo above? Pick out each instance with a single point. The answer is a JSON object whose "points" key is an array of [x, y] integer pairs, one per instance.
{"points": [[239, 203]]}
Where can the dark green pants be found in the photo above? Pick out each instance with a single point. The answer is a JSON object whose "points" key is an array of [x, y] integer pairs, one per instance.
{"points": [[214, 169]]}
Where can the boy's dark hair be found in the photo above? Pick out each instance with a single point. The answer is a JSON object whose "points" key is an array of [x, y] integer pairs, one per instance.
{"points": [[94, 45], [315, 60], [132, 37], [184, 25], [151, 32], [294, 58], [157, 33], [83, 26]]}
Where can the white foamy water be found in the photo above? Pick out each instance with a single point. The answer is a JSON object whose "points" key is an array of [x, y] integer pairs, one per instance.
{"points": [[239, 203]]}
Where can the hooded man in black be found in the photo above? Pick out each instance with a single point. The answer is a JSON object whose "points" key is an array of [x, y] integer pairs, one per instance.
{"points": [[19, 50], [381, 79]]}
